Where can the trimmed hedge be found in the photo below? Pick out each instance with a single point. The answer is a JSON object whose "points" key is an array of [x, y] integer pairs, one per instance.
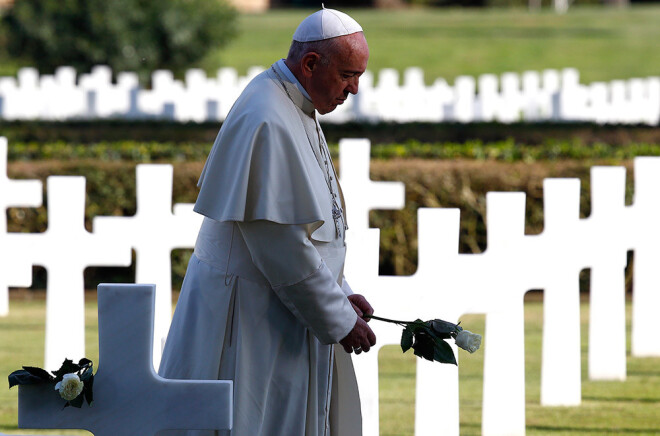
{"points": [[505, 150], [457, 183], [378, 133]]}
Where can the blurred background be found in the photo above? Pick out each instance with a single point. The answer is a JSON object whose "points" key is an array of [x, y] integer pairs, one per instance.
{"points": [[445, 163]]}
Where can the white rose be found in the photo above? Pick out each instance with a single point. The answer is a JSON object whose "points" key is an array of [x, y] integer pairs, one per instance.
{"points": [[70, 387], [468, 341]]}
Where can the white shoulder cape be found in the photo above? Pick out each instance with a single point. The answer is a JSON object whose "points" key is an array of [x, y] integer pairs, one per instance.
{"points": [[262, 165]]}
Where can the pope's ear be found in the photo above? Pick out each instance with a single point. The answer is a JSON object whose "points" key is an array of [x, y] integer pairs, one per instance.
{"points": [[309, 63]]}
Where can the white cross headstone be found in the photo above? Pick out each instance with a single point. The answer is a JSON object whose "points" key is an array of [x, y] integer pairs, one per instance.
{"points": [[618, 101], [154, 232], [653, 101], [646, 274], [487, 99], [510, 98], [443, 95], [65, 250], [67, 90], [572, 97], [387, 92], [437, 249], [636, 100], [464, 98], [550, 92], [13, 193], [561, 382], [420, 103], [561, 6], [531, 88], [599, 108], [428, 289], [197, 92], [28, 105], [504, 354], [130, 399], [227, 80], [161, 100], [607, 312], [96, 86], [8, 96], [361, 193]]}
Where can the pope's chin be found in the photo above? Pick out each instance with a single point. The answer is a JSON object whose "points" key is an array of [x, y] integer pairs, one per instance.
{"points": [[331, 107], [327, 109]]}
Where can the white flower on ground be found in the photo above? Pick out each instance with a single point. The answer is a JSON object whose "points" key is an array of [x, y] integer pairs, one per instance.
{"points": [[468, 341], [70, 387]]}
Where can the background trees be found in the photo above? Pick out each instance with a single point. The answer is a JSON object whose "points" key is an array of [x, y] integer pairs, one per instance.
{"points": [[128, 35]]}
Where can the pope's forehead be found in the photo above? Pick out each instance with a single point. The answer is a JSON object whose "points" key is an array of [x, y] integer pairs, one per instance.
{"points": [[352, 53], [354, 44]]}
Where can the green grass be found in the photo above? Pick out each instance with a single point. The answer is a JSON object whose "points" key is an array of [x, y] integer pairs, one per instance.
{"points": [[602, 43], [617, 408], [22, 343]]}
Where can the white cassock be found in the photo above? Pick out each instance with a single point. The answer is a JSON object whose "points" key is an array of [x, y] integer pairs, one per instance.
{"points": [[264, 296]]}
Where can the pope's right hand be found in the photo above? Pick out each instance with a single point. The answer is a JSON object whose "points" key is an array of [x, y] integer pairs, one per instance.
{"points": [[360, 339]]}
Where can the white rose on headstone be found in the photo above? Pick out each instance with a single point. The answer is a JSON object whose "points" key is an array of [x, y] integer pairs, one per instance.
{"points": [[70, 387], [468, 341]]}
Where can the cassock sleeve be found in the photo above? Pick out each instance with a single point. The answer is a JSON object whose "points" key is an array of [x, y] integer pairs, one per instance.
{"points": [[346, 287], [296, 272]]}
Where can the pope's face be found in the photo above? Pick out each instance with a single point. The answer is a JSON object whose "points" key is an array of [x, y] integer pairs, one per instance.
{"points": [[333, 79]]}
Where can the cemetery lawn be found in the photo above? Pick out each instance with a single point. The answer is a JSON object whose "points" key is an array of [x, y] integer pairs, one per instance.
{"points": [[602, 43], [621, 408]]}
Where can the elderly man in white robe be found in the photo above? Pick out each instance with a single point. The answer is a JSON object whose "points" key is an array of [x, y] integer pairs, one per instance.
{"points": [[264, 298]]}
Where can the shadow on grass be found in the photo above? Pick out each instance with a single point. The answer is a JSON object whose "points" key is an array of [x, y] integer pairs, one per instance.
{"points": [[597, 431], [623, 399]]}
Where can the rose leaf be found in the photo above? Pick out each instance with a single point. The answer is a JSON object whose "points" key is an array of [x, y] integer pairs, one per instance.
{"points": [[87, 390], [406, 339], [22, 377], [77, 402], [443, 353], [67, 367]]}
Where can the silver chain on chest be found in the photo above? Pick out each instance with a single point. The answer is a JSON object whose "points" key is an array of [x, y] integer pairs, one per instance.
{"points": [[324, 152]]}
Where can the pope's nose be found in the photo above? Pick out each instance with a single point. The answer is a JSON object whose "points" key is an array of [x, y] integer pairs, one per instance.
{"points": [[353, 85]]}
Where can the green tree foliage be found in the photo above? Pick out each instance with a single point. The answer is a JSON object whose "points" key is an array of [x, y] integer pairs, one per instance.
{"points": [[128, 35]]}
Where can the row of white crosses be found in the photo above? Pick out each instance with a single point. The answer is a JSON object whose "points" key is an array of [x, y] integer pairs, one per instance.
{"points": [[446, 285], [530, 96], [94, 95], [67, 248]]}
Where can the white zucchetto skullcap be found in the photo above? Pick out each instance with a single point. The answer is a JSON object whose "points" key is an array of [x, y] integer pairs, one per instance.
{"points": [[325, 24]]}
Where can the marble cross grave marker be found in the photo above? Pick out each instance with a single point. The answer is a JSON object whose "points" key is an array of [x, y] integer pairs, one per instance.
{"points": [[153, 233], [130, 399], [14, 271]]}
